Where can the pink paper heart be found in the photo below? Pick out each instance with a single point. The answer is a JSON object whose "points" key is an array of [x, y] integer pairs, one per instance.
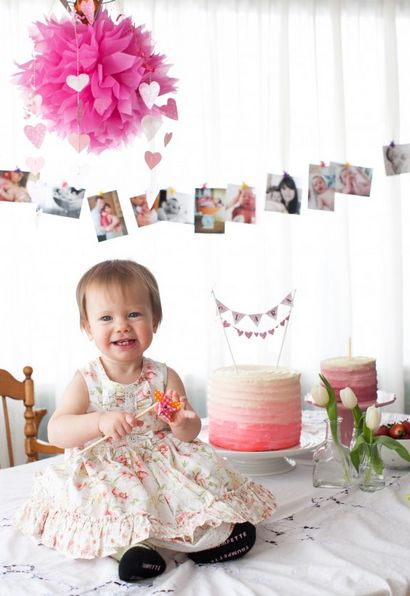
{"points": [[78, 82], [262, 334], [87, 7], [152, 159], [248, 334], [79, 142], [35, 134], [149, 93], [170, 109], [35, 164], [271, 331], [167, 138]]}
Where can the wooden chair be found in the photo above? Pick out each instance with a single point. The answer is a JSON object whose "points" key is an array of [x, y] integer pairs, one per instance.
{"points": [[24, 390]]}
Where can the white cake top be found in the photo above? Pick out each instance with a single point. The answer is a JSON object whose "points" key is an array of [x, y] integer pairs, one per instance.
{"points": [[251, 373], [346, 362]]}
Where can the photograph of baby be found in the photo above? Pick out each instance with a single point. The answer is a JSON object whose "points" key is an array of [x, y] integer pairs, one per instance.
{"points": [[352, 180], [176, 207], [396, 159], [321, 193], [144, 214], [283, 194], [106, 215], [240, 204], [210, 210], [62, 200], [13, 185]]}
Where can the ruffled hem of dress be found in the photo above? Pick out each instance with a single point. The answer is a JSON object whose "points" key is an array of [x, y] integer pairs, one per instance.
{"points": [[79, 536]]}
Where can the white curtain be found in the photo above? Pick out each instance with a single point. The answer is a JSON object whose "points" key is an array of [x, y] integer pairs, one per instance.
{"points": [[264, 86]]}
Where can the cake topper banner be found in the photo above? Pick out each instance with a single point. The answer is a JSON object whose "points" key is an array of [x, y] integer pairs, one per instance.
{"points": [[255, 317], [262, 334]]}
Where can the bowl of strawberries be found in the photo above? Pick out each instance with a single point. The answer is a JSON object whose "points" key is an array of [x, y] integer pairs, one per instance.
{"points": [[401, 432]]}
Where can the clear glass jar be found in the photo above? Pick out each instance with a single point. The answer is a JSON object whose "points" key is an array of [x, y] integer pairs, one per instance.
{"points": [[371, 468], [332, 467]]}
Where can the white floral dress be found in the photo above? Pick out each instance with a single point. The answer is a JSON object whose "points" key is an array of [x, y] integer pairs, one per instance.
{"points": [[147, 486]]}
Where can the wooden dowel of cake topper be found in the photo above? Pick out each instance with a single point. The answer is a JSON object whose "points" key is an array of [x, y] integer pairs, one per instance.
{"points": [[105, 437], [350, 348]]}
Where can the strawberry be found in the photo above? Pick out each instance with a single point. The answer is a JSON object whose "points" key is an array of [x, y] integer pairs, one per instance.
{"points": [[382, 430], [397, 430], [406, 424]]}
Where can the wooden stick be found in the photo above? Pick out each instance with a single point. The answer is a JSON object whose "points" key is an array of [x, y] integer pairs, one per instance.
{"points": [[350, 348], [102, 439], [286, 330], [226, 337]]}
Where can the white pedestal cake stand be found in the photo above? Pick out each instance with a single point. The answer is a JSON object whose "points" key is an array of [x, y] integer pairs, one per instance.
{"points": [[266, 463]]}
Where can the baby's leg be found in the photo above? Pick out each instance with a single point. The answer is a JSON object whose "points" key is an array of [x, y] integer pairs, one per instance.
{"points": [[240, 542], [139, 562]]}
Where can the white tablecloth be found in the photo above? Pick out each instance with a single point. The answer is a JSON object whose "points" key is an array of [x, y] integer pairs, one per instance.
{"points": [[319, 542]]}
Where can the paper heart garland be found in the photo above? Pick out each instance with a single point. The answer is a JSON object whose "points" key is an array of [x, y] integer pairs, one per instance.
{"points": [[87, 8], [167, 138], [152, 159], [78, 82], [150, 126], [79, 142], [35, 164], [35, 134], [170, 109], [248, 334], [149, 93]]}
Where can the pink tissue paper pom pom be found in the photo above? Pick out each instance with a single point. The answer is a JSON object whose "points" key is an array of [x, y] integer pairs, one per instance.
{"points": [[116, 57]]}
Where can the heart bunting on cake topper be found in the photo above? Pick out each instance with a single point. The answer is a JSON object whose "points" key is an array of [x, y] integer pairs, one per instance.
{"points": [[256, 318]]}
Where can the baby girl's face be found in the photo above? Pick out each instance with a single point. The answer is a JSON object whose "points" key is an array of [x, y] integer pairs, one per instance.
{"points": [[319, 184]]}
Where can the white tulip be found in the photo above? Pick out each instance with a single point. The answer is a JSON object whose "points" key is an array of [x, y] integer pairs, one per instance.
{"points": [[348, 397], [319, 395], [373, 417]]}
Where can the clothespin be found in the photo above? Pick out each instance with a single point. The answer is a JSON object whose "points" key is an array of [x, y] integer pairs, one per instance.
{"points": [[285, 174], [244, 185], [322, 164], [347, 164], [204, 185], [101, 194], [64, 184], [392, 144], [171, 190]]}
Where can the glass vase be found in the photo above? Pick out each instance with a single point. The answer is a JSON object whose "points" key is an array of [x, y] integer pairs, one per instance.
{"points": [[332, 467], [371, 468]]}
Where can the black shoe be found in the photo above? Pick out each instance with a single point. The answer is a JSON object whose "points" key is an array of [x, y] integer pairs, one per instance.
{"points": [[240, 542], [140, 562]]}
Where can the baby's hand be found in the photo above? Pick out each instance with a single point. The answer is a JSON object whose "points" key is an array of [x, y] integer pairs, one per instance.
{"points": [[117, 424], [182, 415]]}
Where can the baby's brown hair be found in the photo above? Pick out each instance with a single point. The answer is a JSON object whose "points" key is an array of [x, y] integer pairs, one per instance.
{"points": [[123, 274]]}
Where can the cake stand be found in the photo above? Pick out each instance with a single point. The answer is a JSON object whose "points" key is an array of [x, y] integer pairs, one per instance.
{"points": [[267, 463]]}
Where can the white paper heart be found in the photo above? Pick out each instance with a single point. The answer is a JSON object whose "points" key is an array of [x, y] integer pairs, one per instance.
{"points": [[150, 126], [78, 82], [149, 93], [35, 164]]}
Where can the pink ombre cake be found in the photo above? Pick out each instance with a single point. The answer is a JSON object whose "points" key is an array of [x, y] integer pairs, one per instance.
{"points": [[358, 373], [254, 408]]}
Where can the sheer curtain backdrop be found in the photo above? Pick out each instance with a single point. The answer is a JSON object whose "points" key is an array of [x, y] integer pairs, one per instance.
{"points": [[264, 86]]}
